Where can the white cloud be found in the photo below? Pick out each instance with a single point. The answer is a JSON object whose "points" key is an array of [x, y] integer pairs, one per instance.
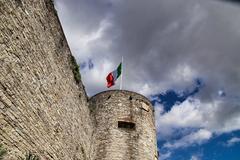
{"points": [[160, 52], [163, 130], [183, 73], [97, 75], [165, 156], [216, 117], [187, 114], [194, 157], [86, 41], [233, 141], [197, 137], [145, 90]]}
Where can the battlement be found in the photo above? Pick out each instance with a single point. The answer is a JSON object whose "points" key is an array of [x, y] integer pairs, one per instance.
{"points": [[126, 93]]}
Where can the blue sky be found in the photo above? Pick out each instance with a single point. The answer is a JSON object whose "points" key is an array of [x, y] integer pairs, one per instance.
{"points": [[181, 54], [215, 149], [218, 147]]}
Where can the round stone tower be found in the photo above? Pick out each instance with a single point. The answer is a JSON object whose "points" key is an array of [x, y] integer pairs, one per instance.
{"points": [[124, 126]]}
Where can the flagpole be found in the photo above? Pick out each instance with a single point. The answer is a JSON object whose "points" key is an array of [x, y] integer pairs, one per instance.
{"points": [[121, 75]]}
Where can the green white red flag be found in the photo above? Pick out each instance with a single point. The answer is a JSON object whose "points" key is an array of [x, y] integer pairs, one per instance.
{"points": [[113, 76]]}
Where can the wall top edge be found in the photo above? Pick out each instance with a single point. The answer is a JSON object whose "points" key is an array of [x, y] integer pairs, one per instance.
{"points": [[127, 92]]}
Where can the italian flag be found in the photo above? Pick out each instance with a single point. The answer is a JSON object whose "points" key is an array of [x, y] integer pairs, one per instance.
{"points": [[113, 76]]}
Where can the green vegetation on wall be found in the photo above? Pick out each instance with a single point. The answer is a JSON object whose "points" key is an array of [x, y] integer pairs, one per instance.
{"points": [[2, 152], [75, 70]]}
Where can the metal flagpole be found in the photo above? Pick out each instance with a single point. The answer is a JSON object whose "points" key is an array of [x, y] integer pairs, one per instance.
{"points": [[121, 74]]}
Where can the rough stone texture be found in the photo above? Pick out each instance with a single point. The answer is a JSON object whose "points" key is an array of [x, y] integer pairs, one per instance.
{"points": [[45, 111], [114, 143], [42, 109]]}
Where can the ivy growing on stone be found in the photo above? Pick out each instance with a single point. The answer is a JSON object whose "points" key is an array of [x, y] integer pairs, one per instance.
{"points": [[75, 70]]}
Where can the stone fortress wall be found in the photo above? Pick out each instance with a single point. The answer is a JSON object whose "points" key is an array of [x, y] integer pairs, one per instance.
{"points": [[43, 105], [42, 108]]}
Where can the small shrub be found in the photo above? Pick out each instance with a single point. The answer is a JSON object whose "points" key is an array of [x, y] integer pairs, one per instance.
{"points": [[2, 152], [75, 70]]}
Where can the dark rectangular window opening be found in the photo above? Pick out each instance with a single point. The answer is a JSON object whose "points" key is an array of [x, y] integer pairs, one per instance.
{"points": [[127, 125]]}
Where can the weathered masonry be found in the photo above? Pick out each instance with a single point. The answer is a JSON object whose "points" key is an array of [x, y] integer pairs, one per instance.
{"points": [[44, 108], [123, 126]]}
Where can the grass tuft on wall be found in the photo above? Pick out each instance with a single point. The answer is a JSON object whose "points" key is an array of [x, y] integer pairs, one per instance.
{"points": [[75, 70]]}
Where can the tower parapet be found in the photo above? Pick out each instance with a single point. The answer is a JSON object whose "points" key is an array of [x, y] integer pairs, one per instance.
{"points": [[124, 126]]}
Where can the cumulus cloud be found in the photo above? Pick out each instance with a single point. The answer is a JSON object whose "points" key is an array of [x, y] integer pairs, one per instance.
{"points": [[215, 116], [233, 141], [165, 156], [194, 138], [165, 44]]}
